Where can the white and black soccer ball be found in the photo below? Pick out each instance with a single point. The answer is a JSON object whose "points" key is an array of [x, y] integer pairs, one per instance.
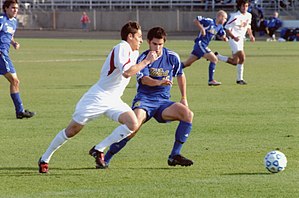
{"points": [[275, 161]]}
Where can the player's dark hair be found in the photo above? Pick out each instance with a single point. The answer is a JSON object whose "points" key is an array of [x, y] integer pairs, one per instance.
{"points": [[131, 27], [7, 3], [156, 32], [241, 2]]}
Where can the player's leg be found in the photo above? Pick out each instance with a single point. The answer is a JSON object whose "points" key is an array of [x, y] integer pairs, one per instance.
{"points": [[123, 114], [192, 58], [240, 68], [116, 147], [61, 138], [8, 70], [212, 67], [178, 111]]}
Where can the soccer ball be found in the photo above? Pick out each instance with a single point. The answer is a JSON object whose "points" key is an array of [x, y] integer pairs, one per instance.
{"points": [[275, 161]]}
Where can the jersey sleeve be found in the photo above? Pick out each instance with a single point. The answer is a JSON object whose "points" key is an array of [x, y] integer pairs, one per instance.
{"points": [[230, 22], [177, 66], [124, 57], [144, 71]]}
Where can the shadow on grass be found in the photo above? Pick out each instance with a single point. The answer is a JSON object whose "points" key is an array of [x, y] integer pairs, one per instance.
{"points": [[30, 171], [238, 174]]}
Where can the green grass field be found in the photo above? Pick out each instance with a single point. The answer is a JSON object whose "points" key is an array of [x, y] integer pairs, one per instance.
{"points": [[234, 127]]}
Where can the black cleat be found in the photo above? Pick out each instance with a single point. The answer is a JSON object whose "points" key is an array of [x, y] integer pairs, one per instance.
{"points": [[43, 166], [179, 160], [216, 53], [99, 158], [25, 114], [241, 82]]}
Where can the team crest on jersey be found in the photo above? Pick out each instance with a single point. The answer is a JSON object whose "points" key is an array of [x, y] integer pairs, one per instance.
{"points": [[9, 29], [137, 103], [158, 72]]}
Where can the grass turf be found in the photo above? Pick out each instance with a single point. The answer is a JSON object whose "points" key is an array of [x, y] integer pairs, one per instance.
{"points": [[233, 129]]}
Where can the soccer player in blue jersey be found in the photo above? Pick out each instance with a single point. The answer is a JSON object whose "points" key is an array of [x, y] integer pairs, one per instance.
{"points": [[153, 98], [8, 26], [208, 29]]}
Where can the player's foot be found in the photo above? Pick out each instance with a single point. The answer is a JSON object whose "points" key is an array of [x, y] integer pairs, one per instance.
{"points": [[179, 160], [99, 158], [43, 166], [241, 82], [25, 114], [214, 83]]}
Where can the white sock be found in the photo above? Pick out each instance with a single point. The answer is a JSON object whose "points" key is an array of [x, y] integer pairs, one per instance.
{"points": [[117, 135], [57, 142], [240, 69], [222, 58]]}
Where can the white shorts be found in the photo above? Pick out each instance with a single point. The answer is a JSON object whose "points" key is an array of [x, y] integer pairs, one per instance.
{"points": [[95, 103], [236, 46]]}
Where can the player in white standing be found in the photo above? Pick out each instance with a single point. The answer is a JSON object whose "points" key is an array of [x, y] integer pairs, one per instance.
{"points": [[104, 97], [236, 28]]}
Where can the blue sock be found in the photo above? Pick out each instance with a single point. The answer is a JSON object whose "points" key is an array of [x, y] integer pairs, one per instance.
{"points": [[115, 148], [17, 102], [212, 67], [181, 135]]}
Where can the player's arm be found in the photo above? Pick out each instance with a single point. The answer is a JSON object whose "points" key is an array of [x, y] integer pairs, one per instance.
{"points": [[183, 88], [199, 26], [151, 57], [251, 37], [230, 34], [149, 81], [15, 44]]}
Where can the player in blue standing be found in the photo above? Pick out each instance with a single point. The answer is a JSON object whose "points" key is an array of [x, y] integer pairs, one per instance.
{"points": [[8, 26], [208, 29], [153, 98]]}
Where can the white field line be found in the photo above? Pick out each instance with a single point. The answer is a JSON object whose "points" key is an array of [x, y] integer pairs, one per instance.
{"points": [[58, 60]]}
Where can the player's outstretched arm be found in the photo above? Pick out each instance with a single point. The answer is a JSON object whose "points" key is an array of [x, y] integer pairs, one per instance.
{"points": [[151, 57]]}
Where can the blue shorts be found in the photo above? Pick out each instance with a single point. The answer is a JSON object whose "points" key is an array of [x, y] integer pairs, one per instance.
{"points": [[199, 49], [6, 65], [153, 107]]}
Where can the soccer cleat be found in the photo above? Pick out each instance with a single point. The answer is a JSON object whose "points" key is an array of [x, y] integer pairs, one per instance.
{"points": [[43, 166], [216, 53], [179, 160], [25, 114], [214, 83], [99, 158], [241, 82]]}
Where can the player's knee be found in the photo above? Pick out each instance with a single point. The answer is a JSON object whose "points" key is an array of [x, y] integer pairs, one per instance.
{"points": [[132, 126], [188, 115], [15, 82]]}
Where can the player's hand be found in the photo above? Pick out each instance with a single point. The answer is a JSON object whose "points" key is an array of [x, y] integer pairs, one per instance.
{"points": [[152, 56], [16, 45], [165, 82], [236, 38], [203, 32], [252, 38], [184, 101]]}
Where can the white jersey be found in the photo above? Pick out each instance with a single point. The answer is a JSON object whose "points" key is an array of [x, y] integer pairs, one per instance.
{"points": [[239, 23], [120, 59]]}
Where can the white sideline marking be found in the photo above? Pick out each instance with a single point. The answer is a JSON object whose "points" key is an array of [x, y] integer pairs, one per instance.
{"points": [[58, 60]]}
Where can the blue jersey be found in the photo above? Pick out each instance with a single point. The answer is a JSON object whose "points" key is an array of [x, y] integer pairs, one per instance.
{"points": [[274, 23], [167, 66], [211, 29], [7, 30]]}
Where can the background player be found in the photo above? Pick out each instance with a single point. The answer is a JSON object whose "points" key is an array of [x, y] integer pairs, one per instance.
{"points": [[104, 97], [208, 29], [8, 26], [236, 28], [153, 98]]}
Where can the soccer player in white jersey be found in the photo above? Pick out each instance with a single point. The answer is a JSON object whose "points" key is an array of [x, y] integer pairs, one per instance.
{"points": [[104, 97], [236, 28]]}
